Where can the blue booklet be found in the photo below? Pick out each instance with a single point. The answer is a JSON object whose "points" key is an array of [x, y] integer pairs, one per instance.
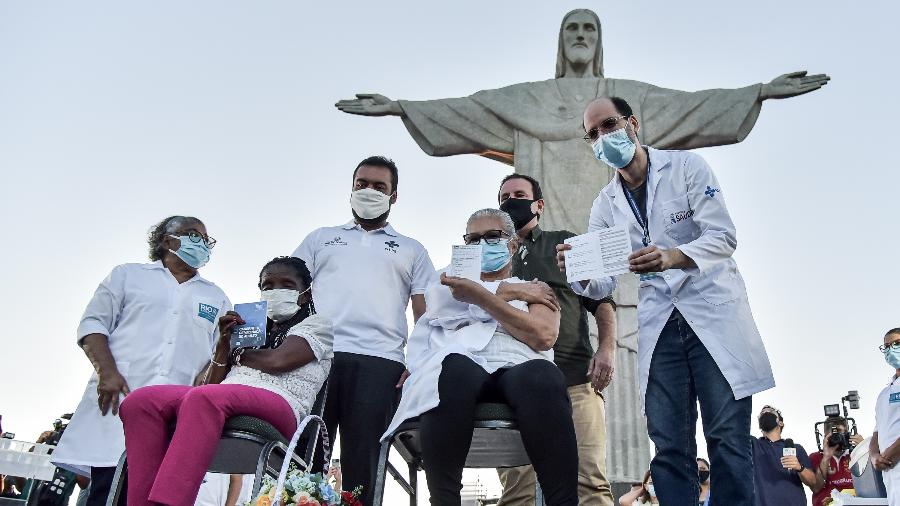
{"points": [[253, 332]]}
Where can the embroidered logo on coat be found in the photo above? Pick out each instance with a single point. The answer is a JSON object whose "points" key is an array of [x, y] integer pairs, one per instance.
{"points": [[208, 312], [391, 246], [680, 215], [711, 192], [337, 241]]}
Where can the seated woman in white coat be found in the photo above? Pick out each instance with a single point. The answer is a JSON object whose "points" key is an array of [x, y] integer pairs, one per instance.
{"points": [[277, 383], [474, 344]]}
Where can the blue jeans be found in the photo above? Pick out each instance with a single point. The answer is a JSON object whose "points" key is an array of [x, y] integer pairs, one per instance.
{"points": [[683, 372]]}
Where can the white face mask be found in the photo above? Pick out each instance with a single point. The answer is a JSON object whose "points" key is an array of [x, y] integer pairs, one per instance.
{"points": [[281, 303], [651, 490], [369, 204]]}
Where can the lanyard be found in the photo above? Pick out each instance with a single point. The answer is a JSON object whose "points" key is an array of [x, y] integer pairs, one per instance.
{"points": [[642, 220]]}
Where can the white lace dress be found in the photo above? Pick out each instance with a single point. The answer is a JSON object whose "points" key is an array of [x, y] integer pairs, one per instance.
{"points": [[300, 386]]}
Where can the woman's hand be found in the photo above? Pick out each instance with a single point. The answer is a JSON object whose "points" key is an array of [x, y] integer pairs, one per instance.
{"points": [[534, 292], [110, 384], [226, 323], [462, 289]]}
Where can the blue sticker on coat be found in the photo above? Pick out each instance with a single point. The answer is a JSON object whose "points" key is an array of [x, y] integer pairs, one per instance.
{"points": [[208, 312]]}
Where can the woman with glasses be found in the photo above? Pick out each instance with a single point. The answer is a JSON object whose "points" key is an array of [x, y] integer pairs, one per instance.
{"points": [[277, 383], [475, 345], [147, 324]]}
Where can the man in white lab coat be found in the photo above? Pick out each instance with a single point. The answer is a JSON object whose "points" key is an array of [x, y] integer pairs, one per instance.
{"points": [[147, 324], [697, 340]]}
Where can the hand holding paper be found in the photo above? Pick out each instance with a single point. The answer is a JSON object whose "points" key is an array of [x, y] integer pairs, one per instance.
{"points": [[465, 262], [252, 332], [598, 254]]}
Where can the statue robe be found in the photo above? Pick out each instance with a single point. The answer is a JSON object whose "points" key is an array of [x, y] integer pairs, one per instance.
{"points": [[537, 128]]}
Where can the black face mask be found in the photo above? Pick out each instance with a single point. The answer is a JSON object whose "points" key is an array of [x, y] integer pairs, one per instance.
{"points": [[519, 210], [704, 476], [768, 422]]}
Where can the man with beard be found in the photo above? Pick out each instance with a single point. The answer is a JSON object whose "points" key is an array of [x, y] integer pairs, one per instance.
{"points": [[365, 273]]}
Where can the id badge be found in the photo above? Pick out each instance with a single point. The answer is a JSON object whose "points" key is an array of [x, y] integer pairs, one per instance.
{"points": [[647, 276], [894, 398]]}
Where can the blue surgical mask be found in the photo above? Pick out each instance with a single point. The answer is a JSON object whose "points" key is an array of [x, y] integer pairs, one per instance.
{"points": [[615, 149], [892, 357], [495, 256], [195, 254]]}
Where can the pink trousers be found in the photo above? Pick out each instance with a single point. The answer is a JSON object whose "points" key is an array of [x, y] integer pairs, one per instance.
{"points": [[168, 469]]}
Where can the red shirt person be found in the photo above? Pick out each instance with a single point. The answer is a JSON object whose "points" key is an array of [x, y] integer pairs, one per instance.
{"points": [[832, 464]]}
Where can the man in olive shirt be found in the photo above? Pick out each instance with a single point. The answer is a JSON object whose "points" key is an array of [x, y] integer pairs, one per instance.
{"points": [[587, 373]]}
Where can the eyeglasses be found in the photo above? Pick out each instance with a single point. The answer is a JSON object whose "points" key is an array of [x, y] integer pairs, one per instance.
{"points": [[606, 126], [894, 346], [491, 237], [195, 237]]}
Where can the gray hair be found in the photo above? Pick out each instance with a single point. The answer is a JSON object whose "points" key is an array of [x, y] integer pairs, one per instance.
{"points": [[165, 227], [508, 225]]}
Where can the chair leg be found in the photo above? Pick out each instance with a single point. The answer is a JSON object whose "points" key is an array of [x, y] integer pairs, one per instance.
{"points": [[115, 490], [538, 494], [414, 484], [381, 472]]}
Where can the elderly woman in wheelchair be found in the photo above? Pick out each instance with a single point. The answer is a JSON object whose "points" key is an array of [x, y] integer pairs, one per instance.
{"points": [[277, 383], [489, 341]]}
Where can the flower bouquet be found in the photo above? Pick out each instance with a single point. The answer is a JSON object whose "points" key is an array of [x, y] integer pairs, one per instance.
{"points": [[300, 487], [305, 489]]}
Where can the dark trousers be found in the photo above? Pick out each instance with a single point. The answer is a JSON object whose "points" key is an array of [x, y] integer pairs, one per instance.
{"points": [[682, 372], [101, 482], [536, 392], [362, 398]]}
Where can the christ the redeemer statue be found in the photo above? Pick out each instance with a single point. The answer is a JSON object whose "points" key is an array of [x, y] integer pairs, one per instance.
{"points": [[537, 128]]}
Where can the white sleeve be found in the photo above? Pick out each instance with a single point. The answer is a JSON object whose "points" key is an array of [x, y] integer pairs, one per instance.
{"points": [[103, 311], [319, 333], [423, 273], [603, 287], [307, 251], [718, 238]]}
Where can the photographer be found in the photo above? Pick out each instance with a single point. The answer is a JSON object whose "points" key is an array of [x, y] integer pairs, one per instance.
{"points": [[832, 464], [779, 478]]}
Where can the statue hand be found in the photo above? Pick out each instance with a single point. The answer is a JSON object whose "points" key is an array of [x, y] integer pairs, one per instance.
{"points": [[370, 104], [793, 84]]}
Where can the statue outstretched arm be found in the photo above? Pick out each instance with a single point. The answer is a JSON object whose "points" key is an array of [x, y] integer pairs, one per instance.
{"points": [[673, 119], [444, 127], [370, 104], [792, 85]]}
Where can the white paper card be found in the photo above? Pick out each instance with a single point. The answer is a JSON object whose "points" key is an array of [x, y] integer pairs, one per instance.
{"points": [[465, 262], [598, 254]]}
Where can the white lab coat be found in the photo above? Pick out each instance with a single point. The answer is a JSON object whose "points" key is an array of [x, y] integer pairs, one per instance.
{"points": [[160, 332], [686, 209], [448, 327]]}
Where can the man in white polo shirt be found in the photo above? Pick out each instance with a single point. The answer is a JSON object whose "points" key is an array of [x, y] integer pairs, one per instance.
{"points": [[884, 447], [365, 274]]}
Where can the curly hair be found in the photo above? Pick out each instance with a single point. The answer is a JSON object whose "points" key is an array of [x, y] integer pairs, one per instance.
{"points": [[295, 263], [169, 225]]}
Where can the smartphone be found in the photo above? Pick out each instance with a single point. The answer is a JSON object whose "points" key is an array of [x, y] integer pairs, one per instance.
{"points": [[336, 463]]}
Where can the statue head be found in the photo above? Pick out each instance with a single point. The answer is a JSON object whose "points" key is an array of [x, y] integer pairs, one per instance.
{"points": [[580, 42]]}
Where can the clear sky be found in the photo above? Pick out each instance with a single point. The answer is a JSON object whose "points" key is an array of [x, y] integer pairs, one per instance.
{"points": [[116, 114]]}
